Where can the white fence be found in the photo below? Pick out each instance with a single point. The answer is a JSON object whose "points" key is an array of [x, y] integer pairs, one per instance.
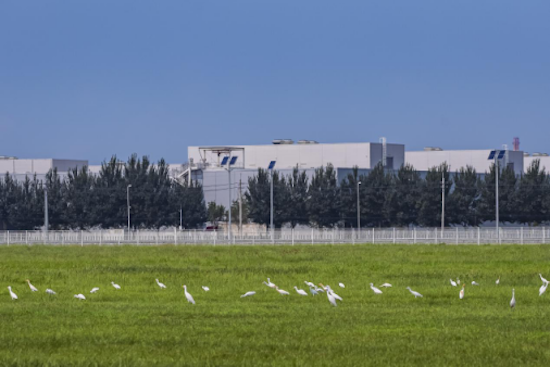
{"points": [[522, 235]]}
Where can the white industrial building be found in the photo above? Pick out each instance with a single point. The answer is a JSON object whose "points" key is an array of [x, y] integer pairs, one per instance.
{"points": [[21, 168], [544, 159], [457, 159], [207, 166]]}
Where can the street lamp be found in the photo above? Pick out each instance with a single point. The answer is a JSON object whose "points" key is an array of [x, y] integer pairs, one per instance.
{"points": [[128, 203], [270, 168], [229, 161], [497, 155], [358, 208]]}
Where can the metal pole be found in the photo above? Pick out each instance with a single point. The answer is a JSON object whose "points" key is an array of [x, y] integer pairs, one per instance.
{"points": [[46, 216], [240, 208], [128, 204], [442, 200], [230, 202], [358, 208], [181, 217], [271, 205], [497, 173]]}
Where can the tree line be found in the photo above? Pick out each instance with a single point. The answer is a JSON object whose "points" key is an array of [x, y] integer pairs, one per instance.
{"points": [[400, 198], [83, 200]]}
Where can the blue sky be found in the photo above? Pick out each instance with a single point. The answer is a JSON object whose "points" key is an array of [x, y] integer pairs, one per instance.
{"points": [[91, 79]]}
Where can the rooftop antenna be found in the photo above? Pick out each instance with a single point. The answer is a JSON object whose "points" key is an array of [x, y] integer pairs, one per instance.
{"points": [[384, 151]]}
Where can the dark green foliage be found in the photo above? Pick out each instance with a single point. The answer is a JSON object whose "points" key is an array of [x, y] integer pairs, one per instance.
{"points": [[408, 186], [508, 200], [376, 192], [348, 198], [532, 192], [429, 214], [462, 201], [298, 196], [258, 197], [216, 213], [323, 205]]}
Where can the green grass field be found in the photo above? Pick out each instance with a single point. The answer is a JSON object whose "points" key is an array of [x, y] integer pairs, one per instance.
{"points": [[142, 325]]}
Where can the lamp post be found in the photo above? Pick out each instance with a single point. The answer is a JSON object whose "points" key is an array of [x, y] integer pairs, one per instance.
{"points": [[128, 204], [497, 155], [358, 208], [270, 168], [46, 216]]}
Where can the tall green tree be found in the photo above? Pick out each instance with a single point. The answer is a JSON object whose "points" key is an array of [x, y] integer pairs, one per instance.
{"points": [[189, 198], [79, 199], [461, 205], [348, 198], [429, 214], [298, 198], [533, 187], [56, 204], [507, 189], [407, 189], [110, 210], [323, 205], [258, 197], [376, 192]]}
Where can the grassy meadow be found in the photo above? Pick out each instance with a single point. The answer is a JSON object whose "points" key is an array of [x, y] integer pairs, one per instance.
{"points": [[142, 325]]}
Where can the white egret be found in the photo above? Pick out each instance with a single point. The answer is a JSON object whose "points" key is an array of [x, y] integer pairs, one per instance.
{"points": [[543, 289], [12, 295], [282, 291], [248, 294], [188, 295], [95, 289], [80, 296], [453, 283], [161, 285], [375, 290], [309, 284], [498, 281], [474, 282], [341, 285], [313, 292], [386, 285], [329, 290], [300, 291], [319, 289], [331, 299], [269, 284], [457, 281], [513, 301], [416, 294], [205, 288], [461, 295], [49, 291], [115, 285], [543, 280], [32, 287]]}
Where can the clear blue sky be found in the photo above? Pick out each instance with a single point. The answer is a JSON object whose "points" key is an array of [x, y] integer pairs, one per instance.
{"points": [[88, 79]]}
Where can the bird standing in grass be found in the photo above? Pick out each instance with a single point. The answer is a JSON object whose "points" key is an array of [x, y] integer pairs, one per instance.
{"points": [[329, 290], [385, 285], [205, 288], [12, 295], [115, 285], [313, 291], [453, 283], [49, 291], [282, 291], [542, 289], [248, 294], [80, 296], [474, 282], [331, 298], [341, 285], [161, 285], [416, 294], [498, 281], [188, 295], [543, 280], [269, 284], [95, 289], [513, 301], [461, 295], [375, 290], [301, 292], [309, 284], [32, 287]]}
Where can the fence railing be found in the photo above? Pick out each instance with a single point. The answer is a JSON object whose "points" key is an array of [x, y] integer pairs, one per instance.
{"points": [[521, 235]]}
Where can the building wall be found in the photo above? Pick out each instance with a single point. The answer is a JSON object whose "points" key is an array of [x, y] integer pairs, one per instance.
{"points": [[424, 160], [21, 168], [544, 163], [305, 156]]}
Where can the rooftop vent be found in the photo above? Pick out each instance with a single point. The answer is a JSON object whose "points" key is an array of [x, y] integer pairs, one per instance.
{"points": [[526, 154], [283, 141], [307, 142], [7, 157], [433, 149], [540, 154]]}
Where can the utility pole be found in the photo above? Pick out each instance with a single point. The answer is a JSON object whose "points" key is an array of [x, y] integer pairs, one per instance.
{"points": [[358, 208], [181, 217], [497, 173], [271, 206], [230, 202], [442, 200], [240, 207], [46, 216], [128, 204]]}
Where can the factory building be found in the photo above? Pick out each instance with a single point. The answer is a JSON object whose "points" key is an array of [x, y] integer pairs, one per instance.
{"points": [[21, 168], [544, 159], [210, 165], [478, 159]]}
